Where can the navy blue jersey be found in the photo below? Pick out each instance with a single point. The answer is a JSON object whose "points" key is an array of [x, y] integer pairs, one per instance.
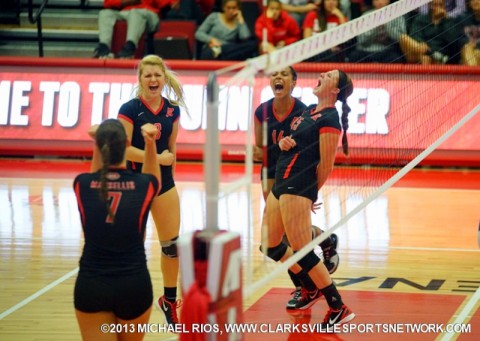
{"points": [[114, 248], [139, 113], [277, 129], [298, 166]]}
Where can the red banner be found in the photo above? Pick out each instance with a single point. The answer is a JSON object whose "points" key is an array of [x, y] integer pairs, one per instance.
{"points": [[398, 110]]}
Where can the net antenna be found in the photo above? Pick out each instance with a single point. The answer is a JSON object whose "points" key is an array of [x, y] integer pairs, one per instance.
{"points": [[212, 155]]}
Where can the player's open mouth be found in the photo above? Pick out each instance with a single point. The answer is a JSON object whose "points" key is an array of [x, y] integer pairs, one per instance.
{"points": [[278, 86], [153, 88]]}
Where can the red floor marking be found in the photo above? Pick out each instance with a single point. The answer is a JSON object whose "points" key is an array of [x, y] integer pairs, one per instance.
{"points": [[388, 309], [475, 323]]}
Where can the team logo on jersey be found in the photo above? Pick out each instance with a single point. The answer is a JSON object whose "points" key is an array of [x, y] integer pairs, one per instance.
{"points": [[113, 176], [169, 112], [295, 122]]}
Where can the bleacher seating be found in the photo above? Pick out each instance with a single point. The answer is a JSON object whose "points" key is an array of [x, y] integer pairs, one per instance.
{"points": [[175, 39]]}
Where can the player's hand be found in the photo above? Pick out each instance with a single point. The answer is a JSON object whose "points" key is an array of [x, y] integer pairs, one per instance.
{"points": [[92, 132], [257, 153], [149, 132], [166, 158], [316, 206], [286, 143]]}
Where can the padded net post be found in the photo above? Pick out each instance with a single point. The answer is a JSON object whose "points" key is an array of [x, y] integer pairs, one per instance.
{"points": [[212, 155]]}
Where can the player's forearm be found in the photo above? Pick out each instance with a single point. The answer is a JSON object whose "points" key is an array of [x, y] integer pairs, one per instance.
{"points": [[135, 154], [323, 171], [150, 164]]}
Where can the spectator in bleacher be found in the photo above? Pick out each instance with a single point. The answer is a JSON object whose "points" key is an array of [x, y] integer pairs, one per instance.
{"points": [[380, 45], [454, 8], [326, 17], [140, 15], [281, 28], [298, 9], [471, 29], [433, 37], [225, 35]]}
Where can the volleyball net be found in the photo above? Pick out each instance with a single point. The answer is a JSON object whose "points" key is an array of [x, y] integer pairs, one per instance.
{"points": [[397, 119]]}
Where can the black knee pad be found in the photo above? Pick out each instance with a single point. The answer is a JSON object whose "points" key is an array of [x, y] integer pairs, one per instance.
{"points": [[277, 252], [169, 248], [308, 261]]}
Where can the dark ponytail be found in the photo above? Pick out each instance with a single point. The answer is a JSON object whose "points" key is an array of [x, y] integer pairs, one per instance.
{"points": [[345, 110], [105, 153], [111, 140], [345, 86]]}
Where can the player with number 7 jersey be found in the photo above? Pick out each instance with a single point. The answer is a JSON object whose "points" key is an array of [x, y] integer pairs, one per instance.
{"points": [[113, 282], [114, 247]]}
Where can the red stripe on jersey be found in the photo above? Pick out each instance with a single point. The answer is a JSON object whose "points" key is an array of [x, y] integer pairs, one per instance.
{"points": [[148, 198], [329, 130], [289, 167], [80, 204], [155, 112], [286, 115], [126, 118]]}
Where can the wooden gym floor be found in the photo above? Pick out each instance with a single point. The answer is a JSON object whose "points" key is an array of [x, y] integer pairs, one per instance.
{"points": [[409, 260]]}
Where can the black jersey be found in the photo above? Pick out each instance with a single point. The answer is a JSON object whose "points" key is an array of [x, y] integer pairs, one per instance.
{"points": [[139, 113], [277, 128], [116, 248], [296, 168]]}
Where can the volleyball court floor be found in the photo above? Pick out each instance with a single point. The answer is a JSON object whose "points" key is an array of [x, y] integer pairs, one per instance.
{"points": [[409, 262]]}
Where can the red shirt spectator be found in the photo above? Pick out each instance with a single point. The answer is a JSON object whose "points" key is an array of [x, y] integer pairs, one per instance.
{"points": [[281, 28]]}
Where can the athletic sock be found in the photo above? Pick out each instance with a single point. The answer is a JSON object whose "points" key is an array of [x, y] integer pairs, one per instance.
{"points": [[170, 294], [332, 296]]}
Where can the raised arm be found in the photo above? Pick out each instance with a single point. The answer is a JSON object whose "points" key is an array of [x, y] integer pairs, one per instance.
{"points": [[150, 165], [96, 158], [172, 145]]}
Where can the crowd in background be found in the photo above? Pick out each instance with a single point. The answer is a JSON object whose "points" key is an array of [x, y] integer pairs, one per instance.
{"points": [[441, 32]]}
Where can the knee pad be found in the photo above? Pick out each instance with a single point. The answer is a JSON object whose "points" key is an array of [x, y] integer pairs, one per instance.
{"points": [[277, 252], [309, 261], [169, 248]]}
